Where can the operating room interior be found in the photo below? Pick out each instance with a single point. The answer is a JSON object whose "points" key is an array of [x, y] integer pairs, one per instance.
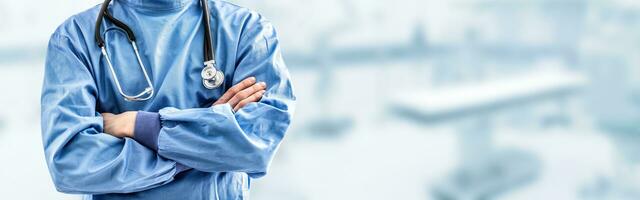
{"points": [[406, 99]]}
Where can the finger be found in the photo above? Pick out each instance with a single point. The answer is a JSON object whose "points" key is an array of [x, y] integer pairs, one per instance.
{"points": [[246, 93], [235, 89], [255, 97]]}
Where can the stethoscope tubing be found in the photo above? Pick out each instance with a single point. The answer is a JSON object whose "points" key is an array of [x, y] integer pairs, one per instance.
{"points": [[211, 76]]}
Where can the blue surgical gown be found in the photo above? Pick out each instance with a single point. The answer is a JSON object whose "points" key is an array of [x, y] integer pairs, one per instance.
{"points": [[222, 149]]}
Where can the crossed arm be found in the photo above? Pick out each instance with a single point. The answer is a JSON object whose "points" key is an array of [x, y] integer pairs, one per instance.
{"points": [[247, 91], [84, 158]]}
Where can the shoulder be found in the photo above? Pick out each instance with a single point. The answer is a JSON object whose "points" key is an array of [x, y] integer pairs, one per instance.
{"points": [[79, 24], [234, 12], [72, 37], [248, 22]]}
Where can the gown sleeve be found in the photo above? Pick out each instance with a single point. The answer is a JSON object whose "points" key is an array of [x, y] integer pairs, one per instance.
{"points": [[82, 159], [215, 139]]}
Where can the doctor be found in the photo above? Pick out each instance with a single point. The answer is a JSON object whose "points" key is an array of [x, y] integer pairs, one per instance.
{"points": [[190, 134]]}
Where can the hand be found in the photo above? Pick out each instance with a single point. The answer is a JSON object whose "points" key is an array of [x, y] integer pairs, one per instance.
{"points": [[120, 125], [243, 93]]}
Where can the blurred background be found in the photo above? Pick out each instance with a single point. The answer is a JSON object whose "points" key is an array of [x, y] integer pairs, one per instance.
{"points": [[407, 99]]}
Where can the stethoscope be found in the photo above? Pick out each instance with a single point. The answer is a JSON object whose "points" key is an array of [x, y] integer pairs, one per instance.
{"points": [[211, 76]]}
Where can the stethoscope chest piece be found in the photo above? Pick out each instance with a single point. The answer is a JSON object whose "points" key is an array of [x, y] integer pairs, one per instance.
{"points": [[211, 78]]}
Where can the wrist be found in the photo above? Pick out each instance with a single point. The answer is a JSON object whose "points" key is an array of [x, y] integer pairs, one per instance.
{"points": [[130, 119]]}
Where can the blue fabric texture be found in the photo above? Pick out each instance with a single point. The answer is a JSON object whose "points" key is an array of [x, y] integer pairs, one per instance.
{"points": [[217, 150], [147, 128]]}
